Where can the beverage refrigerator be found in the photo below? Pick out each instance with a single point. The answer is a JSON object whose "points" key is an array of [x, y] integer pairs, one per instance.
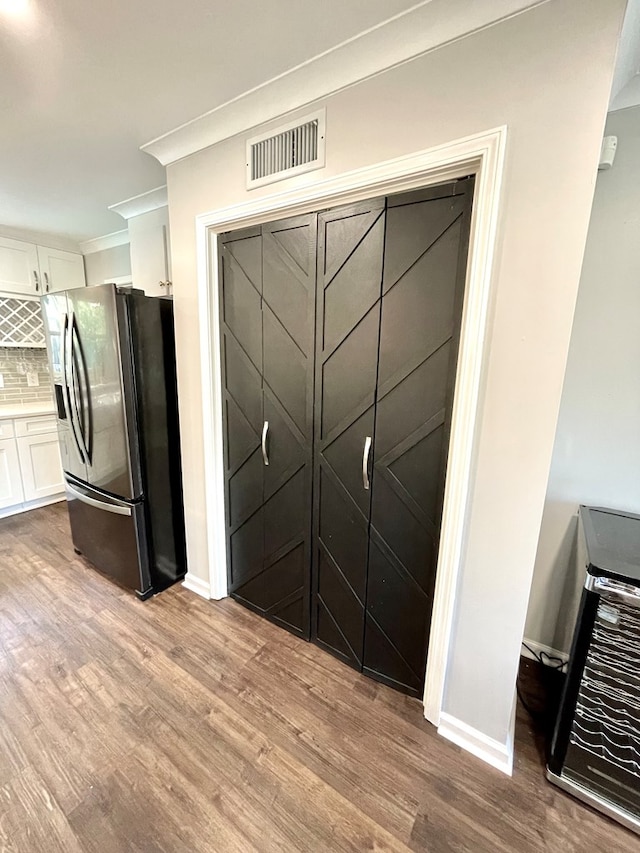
{"points": [[595, 751]]}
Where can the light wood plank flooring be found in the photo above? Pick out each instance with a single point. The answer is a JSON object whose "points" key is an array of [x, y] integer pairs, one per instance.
{"points": [[186, 726]]}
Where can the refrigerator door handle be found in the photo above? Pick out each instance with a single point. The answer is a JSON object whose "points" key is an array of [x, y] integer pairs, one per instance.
{"points": [[76, 419], [66, 353], [86, 427], [107, 505]]}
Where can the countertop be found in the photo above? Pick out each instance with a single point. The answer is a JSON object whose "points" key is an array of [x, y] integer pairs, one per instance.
{"points": [[25, 410]]}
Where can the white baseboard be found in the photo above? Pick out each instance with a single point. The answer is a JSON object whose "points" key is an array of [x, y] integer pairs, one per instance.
{"points": [[197, 585], [25, 507], [540, 647], [498, 755]]}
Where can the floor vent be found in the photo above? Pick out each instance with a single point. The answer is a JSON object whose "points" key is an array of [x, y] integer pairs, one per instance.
{"points": [[294, 149]]}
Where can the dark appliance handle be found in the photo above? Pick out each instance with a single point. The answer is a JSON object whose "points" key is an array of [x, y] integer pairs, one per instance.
{"points": [[74, 392], [85, 428], [67, 388]]}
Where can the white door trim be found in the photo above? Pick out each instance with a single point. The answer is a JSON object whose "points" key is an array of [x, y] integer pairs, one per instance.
{"points": [[482, 154]]}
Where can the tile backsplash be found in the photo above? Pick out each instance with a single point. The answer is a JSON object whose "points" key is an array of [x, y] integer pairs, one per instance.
{"points": [[15, 363]]}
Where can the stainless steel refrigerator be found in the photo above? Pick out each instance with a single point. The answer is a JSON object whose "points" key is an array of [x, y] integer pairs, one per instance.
{"points": [[112, 357]]}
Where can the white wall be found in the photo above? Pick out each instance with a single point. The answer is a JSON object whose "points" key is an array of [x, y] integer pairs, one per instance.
{"points": [[107, 263], [546, 74], [596, 457]]}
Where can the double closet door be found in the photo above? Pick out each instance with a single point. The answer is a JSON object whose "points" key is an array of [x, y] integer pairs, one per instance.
{"points": [[340, 338]]}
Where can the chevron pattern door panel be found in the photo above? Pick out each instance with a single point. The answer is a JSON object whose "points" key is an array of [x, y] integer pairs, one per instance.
{"points": [[349, 287], [426, 246], [268, 302], [241, 342]]}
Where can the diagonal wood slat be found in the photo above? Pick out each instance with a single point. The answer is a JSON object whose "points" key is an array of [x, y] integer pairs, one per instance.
{"points": [[21, 323]]}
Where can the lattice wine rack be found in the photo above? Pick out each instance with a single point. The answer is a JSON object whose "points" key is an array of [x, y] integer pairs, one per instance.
{"points": [[21, 323]]}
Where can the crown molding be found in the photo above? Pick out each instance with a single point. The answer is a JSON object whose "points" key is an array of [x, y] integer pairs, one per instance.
{"points": [[41, 238], [108, 241], [143, 203], [422, 28]]}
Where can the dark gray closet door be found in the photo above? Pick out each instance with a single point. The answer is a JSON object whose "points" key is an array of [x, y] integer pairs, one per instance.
{"points": [[241, 342], [350, 251], [282, 591], [426, 247], [268, 302]]}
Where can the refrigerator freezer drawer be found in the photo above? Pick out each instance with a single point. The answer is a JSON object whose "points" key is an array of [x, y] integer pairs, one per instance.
{"points": [[110, 535]]}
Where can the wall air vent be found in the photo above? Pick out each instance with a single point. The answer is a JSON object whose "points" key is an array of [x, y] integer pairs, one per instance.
{"points": [[293, 149]]}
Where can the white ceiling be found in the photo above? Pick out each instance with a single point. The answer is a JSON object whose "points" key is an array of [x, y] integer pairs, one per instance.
{"points": [[84, 83]]}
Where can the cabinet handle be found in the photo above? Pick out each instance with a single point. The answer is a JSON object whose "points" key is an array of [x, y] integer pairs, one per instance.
{"points": [[365, 462], [46, 282], [265, 431], [37, 280]]}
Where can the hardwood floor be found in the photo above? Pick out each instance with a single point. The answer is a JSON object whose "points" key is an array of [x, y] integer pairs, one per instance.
{"points": [[186, 726]]}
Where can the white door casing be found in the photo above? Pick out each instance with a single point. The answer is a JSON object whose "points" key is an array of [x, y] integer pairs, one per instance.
{"points": [[481, 154]]}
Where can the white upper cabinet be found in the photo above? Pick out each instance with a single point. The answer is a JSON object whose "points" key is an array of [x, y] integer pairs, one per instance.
{"points": [[60, 270], [150, 252], [147, 218], [19, 268], [30, 270]]}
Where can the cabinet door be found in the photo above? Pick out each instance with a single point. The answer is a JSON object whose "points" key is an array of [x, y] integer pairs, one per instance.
{"points": [[150, 252], [60, 270], [10, 479], [19, 270], [40, 465]]}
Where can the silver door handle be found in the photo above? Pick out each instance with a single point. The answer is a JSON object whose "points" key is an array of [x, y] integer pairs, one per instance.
{"points": [[36, 280], [117, 509], [265, 431], [85, 428], [67, 372], [365, 462], [46, 282]]}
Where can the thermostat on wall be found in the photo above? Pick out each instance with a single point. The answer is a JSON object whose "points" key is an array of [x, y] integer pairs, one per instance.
{"points": [[608, 152]]}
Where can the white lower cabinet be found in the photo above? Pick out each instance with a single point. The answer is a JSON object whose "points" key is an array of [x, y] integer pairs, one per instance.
{"points": [[40, 465], [30, 467], [10, 477]]}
